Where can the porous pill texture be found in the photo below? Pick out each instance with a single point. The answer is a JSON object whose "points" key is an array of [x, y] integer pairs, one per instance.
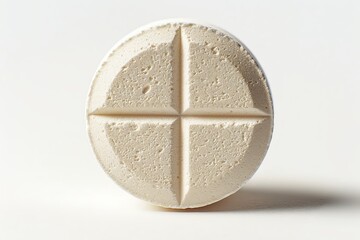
{"points": [[180, 114]]}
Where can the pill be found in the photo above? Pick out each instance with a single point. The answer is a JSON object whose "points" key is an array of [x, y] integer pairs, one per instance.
{"points": [[180, 114]]}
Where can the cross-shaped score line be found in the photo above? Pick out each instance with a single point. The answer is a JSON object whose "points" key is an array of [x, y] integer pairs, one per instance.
{"points": [[183, 110]]}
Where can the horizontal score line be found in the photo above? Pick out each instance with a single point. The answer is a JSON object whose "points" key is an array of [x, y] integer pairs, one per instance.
{"points": [[195, 113], [162, 116]]}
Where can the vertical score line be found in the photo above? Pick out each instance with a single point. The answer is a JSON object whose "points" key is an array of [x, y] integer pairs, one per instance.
{"points": [[180, 84], [177, 77], [180, 63], [180, 48], [183, 62]]}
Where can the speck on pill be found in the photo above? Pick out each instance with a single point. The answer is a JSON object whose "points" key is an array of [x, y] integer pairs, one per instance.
{"points": [[180, 114]]}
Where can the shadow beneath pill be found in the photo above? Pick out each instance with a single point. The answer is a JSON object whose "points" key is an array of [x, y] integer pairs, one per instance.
{"points": [[268, 199]]}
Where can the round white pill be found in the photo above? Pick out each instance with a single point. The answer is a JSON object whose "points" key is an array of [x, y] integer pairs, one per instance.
{"points": [[180, 114]]}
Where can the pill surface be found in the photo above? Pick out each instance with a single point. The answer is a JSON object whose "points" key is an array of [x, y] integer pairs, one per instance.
{"points": [[180, 114]]}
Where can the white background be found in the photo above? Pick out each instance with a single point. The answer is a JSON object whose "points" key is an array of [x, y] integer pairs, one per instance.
{"points": [[51, 186]]}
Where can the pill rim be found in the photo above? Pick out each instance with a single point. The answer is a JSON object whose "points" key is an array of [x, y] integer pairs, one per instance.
{"points": [[179, 21]]}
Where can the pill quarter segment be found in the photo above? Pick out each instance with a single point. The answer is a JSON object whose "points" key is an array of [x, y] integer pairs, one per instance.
{"points": [[182, 123]]}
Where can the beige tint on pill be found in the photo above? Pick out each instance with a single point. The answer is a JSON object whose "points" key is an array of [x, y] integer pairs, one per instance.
{"points": [[180, 114]]}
